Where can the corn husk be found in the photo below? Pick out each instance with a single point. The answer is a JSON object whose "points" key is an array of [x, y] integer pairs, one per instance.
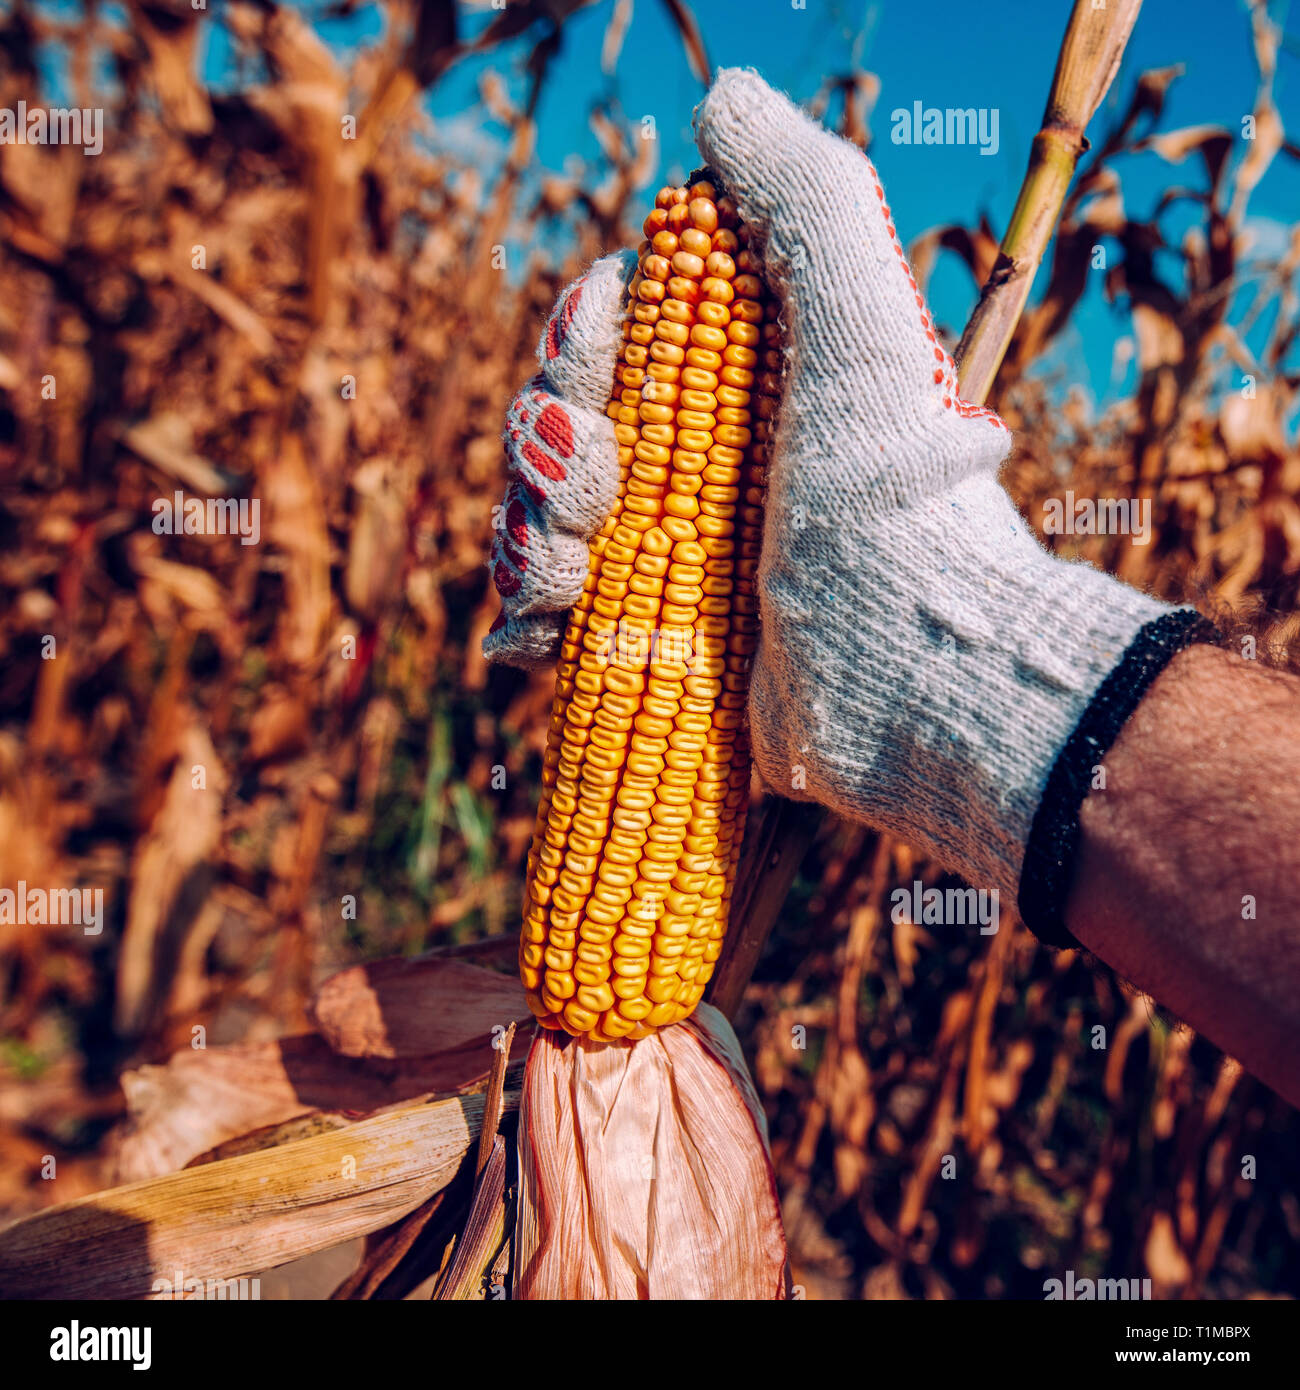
{"points": [[644, 1170]]}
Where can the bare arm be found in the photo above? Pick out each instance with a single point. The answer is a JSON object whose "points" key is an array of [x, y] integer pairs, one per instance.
{"points": [[1188, 876]]}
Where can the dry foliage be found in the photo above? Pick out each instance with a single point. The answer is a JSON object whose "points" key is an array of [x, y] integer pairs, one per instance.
{"points": [[342, 350]]}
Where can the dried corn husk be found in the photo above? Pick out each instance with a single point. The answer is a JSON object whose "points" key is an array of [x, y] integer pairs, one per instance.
{"points": [[644, 1170]]}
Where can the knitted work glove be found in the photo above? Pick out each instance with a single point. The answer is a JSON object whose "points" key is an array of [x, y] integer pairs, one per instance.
{"points": [[563, 468], [922, 659]]}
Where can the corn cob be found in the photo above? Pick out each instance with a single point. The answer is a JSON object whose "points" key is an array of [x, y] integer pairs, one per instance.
{"points": [[646, 773]]}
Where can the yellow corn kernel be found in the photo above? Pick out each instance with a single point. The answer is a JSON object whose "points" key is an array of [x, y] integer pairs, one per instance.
{"points": [[646, 772]]}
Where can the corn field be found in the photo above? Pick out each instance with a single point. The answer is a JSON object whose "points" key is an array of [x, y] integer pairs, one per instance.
{"points": [[232, 301]]}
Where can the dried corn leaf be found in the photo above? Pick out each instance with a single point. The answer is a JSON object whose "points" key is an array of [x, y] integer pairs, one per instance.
{"points": [[202, 1099], [171, 877], [484, 1234], [403, 1008], [239, 1216]]}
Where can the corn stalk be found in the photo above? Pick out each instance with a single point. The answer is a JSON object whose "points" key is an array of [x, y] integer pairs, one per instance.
{"points": [[1089, 59], [781, 831]]}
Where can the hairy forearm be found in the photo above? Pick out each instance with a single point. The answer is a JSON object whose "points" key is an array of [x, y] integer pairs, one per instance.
{"points": [[1188, 876]]}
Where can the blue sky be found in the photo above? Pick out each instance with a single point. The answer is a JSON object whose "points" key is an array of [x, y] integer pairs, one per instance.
{"points": [[944, 53]]}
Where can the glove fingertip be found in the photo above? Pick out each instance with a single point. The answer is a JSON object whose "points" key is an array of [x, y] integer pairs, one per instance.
{"points": [[527, 642], [793, 180], [745, 130]]}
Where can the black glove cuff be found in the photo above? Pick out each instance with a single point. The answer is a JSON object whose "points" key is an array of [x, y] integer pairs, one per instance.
{"points": [[1048, 869]]}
